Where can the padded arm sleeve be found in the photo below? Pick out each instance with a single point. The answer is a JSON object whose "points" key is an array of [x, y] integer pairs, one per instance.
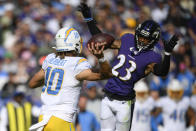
{"points": [[93, 28], [162, 69]]}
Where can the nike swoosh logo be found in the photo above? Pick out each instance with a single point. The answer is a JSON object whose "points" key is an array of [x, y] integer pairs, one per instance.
{"points": [[131, 48]]}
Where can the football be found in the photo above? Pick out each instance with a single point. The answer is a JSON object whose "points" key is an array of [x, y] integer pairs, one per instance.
{"points": [[102, 37]]}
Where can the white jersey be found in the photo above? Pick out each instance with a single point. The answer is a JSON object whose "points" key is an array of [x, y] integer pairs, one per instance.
{"points": [[193, 102], [174, 113], [141, 115], [61, 90]]}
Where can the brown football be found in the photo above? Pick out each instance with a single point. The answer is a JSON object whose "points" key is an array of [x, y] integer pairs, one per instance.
{"points": [[102, 37]]}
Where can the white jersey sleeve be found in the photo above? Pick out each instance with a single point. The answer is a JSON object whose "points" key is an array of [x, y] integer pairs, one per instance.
{"points": [[45, 63], [82, 65]]}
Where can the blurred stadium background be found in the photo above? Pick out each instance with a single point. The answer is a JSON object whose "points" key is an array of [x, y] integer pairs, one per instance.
{"points": [[27, 29]]}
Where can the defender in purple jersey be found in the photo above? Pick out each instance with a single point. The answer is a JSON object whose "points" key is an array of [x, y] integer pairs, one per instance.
{"points": [[137, 57]]}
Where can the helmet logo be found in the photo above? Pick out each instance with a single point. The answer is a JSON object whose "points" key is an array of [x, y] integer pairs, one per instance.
{"points": [[155, 34], [76, 35], [145, 33], [68, 32]]}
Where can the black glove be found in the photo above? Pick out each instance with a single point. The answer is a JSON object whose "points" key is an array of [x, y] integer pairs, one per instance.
{"points": [[86, 12], [168, 46]]}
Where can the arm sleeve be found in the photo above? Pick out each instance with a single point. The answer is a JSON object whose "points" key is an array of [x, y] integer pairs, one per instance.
{"points": [[81, 66], [162, 69], [44, 65], [45, 62], [93, 28]]}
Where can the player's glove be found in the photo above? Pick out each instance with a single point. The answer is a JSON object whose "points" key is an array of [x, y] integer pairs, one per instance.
{"points": [[168, 46], [86, 12]]}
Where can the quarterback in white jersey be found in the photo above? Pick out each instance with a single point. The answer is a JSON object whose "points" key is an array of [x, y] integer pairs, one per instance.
{"points": [[143, 107], [61, 74], [174, 108]]}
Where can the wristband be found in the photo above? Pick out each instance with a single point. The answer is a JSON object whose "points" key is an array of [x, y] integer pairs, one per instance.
{"points": [[167, 53], [101, 60], [88, 19]]}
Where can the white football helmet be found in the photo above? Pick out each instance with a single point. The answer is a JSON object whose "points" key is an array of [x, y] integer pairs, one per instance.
{"points": [[68, 39], [175, 90], [141, 89]]}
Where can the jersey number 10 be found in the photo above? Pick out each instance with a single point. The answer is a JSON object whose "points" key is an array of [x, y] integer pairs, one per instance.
{"points": [[50, 80]]}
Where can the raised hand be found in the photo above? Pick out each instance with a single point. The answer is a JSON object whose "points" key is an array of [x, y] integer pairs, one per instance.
{"points": [[168, 46], [86, 12], [95, 49]]}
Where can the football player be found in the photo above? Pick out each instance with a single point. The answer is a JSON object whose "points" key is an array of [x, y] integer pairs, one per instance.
{"points": [[174, 108], [193, 97], [137, 57], [143, 107], [62, 73]]}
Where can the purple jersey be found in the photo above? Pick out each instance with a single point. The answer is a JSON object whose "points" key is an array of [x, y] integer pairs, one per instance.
{"points": [[127, 69]]}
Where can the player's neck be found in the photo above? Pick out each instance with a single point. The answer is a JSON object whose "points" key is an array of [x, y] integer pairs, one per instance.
{"points": [[62, 55]]}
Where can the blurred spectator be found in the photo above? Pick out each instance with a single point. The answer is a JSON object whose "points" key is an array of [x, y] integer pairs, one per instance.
{"points": [[192, 33], [186, 79], [28, 26], [17, 114], [177, 15], [192, 28], [159, 14], [94, 103], [10, 64], [87, 120], [187, 4], [9, 88]]}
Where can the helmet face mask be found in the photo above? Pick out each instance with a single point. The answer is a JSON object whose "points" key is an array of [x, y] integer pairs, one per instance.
{"points": [[147, 35], [175, 90], [143, 42], [141, 96], [175, 95], [141, 90]]}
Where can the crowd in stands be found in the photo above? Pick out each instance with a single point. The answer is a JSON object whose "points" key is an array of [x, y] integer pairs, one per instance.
{"points": [[28, 27]]}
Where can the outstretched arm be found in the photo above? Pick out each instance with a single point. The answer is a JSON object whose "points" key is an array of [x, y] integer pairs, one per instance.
{"points": [[89, 19], [37, 80], [162, 69], [86, 12], [105, 70]]}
